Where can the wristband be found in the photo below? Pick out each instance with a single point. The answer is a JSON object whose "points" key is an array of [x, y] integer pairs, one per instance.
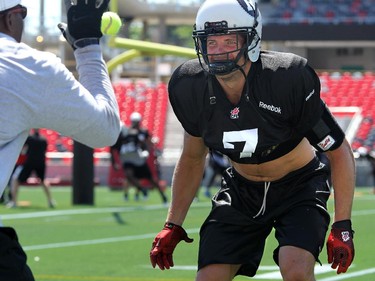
{"points": [[170, 225], [80, 43], [344, 224]]}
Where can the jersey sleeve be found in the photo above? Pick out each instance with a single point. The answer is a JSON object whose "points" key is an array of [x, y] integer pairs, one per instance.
{"points": [[183, 91], [314, 120]]}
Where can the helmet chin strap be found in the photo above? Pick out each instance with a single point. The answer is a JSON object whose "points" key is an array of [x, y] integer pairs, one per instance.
{"points": [[227, 66], [246, 82]]}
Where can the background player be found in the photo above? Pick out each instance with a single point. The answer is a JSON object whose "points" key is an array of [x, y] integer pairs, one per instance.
{"points": [[134, 146], [36, 148], [217, 164]]}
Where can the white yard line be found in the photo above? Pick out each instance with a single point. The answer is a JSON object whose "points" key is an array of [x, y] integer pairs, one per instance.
{"points": [[350, 275], [86, 211], [275, 274], [96, 241], [42, 214]]}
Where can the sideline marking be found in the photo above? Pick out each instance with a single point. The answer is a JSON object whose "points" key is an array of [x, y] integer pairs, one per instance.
{"points": [[102, 278], [43, 214], [275, 274], [55, 213], [77, 212], [96, 241], [350, 274]]}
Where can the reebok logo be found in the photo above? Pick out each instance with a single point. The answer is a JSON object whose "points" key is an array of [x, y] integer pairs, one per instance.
{"points": [[276, 109]]}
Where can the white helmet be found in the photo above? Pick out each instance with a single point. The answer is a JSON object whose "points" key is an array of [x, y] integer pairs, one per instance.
{"points": [[220, 17], [135, 117]]}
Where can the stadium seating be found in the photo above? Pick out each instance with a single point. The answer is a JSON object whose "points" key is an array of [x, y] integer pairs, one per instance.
{"points": [[319, 11], [150, 101], [353, 89]]}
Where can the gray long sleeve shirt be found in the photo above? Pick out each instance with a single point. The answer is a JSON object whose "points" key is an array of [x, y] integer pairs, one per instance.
{"points": [[38, 91]]}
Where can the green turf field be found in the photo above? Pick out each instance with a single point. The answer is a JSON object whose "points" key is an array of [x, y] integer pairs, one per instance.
{"points": [[111, 240]]}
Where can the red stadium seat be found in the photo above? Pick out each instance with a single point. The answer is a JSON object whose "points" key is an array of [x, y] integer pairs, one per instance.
{"points": [[352, 89]]}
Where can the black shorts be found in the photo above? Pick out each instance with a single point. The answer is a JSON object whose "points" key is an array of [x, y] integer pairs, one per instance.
{"points": [[28, 168], [12, 258], [140, 172], [242, 217]]}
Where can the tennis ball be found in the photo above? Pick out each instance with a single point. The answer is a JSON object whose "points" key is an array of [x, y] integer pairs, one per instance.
{"points": [[111, 23]]}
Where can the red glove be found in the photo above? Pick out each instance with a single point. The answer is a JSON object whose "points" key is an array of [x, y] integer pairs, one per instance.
{"points": [[340, 247], [164, 244]]}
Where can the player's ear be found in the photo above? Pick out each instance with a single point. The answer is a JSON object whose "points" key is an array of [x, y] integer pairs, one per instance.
{"points": [[8, 23], [4, 24]]}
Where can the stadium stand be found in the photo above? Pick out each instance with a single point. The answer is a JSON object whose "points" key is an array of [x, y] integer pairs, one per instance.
{"points": [[320, 11], [353, 89]]}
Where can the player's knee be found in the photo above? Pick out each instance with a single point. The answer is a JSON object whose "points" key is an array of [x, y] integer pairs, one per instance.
{"points": [[292, 272], [217, 272], [298, 276], [296, 264]]}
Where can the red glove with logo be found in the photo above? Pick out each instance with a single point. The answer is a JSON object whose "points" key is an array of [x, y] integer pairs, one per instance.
{"points": [[164, 244], [340, 247]]}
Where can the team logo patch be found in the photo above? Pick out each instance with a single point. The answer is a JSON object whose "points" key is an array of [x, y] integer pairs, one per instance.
{"points": [[345, 236], [234, 113], [326, 143]]}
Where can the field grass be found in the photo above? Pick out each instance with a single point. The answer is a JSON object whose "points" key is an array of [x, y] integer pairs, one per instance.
{"points": [[111, 240]]}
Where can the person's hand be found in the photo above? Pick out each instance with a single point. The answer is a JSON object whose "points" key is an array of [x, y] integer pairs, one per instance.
{"points": [[164, 244], [84, 22], [340, 247]]}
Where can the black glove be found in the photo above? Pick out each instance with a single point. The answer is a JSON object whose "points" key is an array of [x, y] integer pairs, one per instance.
{"points": [[84, 22]]}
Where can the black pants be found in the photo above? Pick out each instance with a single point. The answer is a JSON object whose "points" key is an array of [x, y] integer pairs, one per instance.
{"points": [[245, 212], [13, 265]]}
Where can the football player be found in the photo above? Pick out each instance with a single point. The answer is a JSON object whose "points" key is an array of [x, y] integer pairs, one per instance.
{"points": [[263, 110]]}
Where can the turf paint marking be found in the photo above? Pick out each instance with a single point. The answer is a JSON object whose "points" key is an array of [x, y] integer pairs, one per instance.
{"points": [[96, 241], [101, 278], [350, 275], [89, 211], [274, 273]]}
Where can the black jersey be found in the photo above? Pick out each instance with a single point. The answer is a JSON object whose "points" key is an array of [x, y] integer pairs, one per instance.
{"points": [[36, 150], [130, 145], [280, 106]]}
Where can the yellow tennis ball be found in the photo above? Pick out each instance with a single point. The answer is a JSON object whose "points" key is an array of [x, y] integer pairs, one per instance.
{"points": [[111, 23]]}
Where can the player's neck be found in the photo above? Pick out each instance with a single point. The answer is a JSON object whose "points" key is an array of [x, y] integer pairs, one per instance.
{"points": [[233, 84]]}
